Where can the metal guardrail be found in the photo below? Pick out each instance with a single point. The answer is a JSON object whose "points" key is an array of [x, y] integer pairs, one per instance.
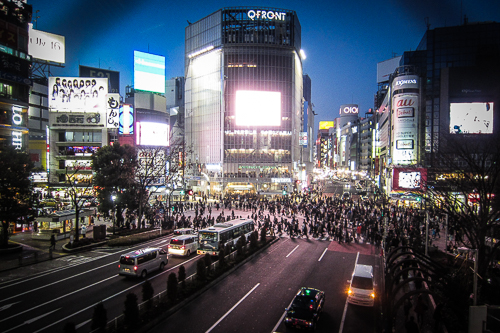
{"points": [[116, 322]]}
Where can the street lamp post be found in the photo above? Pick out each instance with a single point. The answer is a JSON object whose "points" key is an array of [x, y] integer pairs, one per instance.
{"points": [[113, 198], [474, 286]]}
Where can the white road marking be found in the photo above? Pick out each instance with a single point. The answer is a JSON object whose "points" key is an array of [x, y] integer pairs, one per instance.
{"points": [[292, 251], [82, 324], [322, 254], [345, 307], [275, 329], [108, 298], [31, 320], [58, 298], [6, 306], [61, 280], [230, 310]]}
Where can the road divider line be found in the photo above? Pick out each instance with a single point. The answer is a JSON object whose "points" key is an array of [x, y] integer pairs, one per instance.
{"points": [[292, 251], [230, 310], [345, 307], [275, 329], [71, 265], [82, 324], [58, 298], [110, 297], [29, 321], [322, 254], [58, 281]]}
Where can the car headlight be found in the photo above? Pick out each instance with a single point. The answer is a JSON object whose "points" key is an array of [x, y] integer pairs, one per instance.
{"points": [[287, 319], [349, 291], [372, 295]]}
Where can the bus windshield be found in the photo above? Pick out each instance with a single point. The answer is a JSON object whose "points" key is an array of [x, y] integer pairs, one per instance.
{"points": [[208, 240]]}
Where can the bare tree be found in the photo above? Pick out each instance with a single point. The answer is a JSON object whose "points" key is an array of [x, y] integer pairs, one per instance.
{"points": [[465, 185], [79, 189]]}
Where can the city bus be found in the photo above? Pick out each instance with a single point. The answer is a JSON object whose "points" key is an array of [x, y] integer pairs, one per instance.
{"points": [[220, 234]]}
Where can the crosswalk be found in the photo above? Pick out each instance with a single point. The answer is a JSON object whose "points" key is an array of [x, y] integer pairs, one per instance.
{"points": [[77, 259]]}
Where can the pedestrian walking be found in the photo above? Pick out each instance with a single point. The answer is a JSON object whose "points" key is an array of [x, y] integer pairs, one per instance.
{"points": [[52, 242]]}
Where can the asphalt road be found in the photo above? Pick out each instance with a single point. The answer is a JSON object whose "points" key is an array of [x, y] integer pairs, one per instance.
{"points": [[45, 301], [252, 299]]}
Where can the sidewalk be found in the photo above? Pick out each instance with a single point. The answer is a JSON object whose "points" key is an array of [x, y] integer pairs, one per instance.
{"points": [[34, 251]]}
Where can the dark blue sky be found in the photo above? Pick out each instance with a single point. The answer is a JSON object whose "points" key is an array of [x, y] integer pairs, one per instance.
{"points": [[343, 40]]}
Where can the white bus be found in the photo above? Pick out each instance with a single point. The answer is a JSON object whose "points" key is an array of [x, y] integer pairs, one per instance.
{"points": [[220, 234]]}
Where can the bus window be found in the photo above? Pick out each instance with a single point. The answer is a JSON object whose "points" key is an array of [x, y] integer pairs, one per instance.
{"points": [[208, 236]]}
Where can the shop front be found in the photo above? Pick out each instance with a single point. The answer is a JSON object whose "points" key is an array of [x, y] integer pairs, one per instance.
{"points": [[61, 223]]}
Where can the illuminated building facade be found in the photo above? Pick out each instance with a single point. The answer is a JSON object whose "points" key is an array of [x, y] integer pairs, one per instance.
{"points": [[14, 74], [244, 100]]}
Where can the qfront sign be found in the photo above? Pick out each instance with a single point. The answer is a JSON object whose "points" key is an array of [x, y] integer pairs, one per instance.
{"points": [[266, 15]]}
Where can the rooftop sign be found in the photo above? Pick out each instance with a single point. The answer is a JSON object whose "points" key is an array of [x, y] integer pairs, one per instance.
{"points": [[266, 15]]}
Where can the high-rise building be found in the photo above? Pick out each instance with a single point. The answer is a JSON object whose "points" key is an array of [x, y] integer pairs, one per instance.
{"points": [[14, 74], [244, 100]]}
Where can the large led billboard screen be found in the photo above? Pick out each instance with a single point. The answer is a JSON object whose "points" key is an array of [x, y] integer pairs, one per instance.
{"points": [[258, 108], [152, 134], [149, 72], [471, 118], [409, 179], [46, 46], [77, 94]]}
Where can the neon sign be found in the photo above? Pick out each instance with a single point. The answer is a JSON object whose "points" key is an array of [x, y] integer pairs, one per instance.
{"points": [[266, 15]]}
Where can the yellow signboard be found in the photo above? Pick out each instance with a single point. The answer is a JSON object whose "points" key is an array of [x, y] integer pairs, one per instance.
{"points": [[325, 124]]}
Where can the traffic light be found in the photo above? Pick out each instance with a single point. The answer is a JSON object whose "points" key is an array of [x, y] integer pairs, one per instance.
{"points": [[183, 192], [190, 192], [284, 192]]}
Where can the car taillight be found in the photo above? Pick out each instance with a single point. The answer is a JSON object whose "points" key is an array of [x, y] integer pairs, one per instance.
{"points": [[119, 265], [311, 307], [135, 268], [169, 246], [183, 247]]}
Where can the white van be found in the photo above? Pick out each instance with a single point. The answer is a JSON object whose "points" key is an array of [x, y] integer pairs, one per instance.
{"points": [[183, 245], [142, 262], [184, 231], [361, 286]]}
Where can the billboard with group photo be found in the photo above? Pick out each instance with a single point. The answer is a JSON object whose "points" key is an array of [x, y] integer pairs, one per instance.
{"points": [[77, 94]]}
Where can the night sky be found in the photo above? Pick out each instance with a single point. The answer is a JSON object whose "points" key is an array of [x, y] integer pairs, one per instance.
{"points": [[343, 40]]}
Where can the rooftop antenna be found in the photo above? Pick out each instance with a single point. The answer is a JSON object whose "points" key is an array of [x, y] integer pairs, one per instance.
{"points": [[36, 19]]}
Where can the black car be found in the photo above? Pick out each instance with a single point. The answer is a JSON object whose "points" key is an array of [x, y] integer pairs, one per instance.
{"points": [[305, 308]]}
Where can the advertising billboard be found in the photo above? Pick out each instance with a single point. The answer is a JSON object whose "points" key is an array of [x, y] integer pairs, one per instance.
{"points": [[258, 108], [77, 94], [76, 119], [113, 110], [409, 179], [152, 134], [126, 119], [46, 46], [303, 139], [471, 118], [112, 76], [405, 129], [324, 125], [349, 110], [149, 72]]}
